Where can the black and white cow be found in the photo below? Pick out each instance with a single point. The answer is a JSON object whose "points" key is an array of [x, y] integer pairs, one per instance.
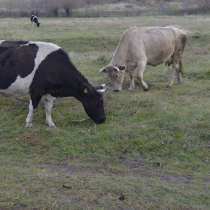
{"points": [[35, 19], [44, 71]]}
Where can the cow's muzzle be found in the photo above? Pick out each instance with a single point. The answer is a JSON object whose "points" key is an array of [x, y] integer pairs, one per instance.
{"points": [[100, 120]]}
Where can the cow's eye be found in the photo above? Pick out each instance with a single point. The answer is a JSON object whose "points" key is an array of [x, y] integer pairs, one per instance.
{"points": [[85, 91], [116, 75]]}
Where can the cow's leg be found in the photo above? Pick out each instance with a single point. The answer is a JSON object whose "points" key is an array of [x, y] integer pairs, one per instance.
{"points": [[132, 79], [140, 74], [35, 99], [173, 74], [29, 117], [179, 72], [48, 105], [176, 72]]}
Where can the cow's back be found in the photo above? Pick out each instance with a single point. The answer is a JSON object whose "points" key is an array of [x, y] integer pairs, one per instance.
{"points": [[19, 62], [155, 44]]}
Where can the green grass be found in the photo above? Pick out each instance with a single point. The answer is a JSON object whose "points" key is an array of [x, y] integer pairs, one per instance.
{"points": [[154, 147]]}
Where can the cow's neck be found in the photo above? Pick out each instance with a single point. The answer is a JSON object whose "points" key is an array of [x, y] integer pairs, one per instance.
{"points": [[73, 84], [119, 56]]}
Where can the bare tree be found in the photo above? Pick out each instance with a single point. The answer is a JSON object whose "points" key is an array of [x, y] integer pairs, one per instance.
{"points": [[205, 4], [69, 5]]}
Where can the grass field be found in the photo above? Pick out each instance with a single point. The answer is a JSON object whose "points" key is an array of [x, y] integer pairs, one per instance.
{"points": [[153, 152]]}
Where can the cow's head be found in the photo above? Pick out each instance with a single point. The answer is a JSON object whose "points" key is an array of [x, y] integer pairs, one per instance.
{"points": [[116, 76], [92, 101]]}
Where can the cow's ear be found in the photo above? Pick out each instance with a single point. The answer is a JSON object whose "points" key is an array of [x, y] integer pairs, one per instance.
{"points": [[121, 67], [107, 69], [104, 70]]}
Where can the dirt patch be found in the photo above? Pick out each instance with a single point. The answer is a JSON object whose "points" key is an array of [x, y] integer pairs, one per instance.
{"points": [[135, 168], [75, 183], [30, 138]]}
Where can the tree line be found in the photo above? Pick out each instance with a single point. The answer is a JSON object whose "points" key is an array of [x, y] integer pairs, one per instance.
{"points": [[65, 7]]}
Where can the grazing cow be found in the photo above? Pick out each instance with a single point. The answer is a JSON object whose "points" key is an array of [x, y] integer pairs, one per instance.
{"points": [[35, 19], [44, 71], [141, 46]]}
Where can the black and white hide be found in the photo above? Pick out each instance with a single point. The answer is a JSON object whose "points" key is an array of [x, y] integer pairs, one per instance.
{"points": [[35, 20], [44, 71]]}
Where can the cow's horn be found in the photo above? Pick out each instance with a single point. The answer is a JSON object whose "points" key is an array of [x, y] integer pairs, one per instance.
{"points": [[101, 88], [103, 85], [116, 68], [102, 70]]}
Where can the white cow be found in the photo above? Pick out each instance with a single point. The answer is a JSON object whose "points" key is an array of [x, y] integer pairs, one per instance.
{"points": [[141, 46]]}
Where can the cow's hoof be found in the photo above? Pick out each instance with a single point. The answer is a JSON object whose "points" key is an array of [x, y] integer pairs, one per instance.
{"points": [[146, 89], [51, 125], [116, 91], [131, 89], [29, 125]]}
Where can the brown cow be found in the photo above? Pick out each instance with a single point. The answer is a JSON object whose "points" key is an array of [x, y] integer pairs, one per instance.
{"points": [[141, 46]]}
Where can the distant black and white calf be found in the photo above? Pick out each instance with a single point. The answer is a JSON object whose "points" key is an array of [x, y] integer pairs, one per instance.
{"points": [[44, 71], [35, 20]]}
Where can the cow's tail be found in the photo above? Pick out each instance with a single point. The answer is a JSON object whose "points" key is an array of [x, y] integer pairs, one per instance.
{"points": [[180, 53]]}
